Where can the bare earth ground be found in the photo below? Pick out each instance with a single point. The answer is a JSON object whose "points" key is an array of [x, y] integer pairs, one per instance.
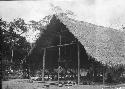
{"points": [[27, 84]]}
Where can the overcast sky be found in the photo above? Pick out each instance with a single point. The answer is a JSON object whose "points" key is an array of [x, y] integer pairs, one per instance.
{"points": [[108, 13]]}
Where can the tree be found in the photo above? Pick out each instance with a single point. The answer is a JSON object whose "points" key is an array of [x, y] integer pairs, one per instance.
{"points": [[12, 41]]}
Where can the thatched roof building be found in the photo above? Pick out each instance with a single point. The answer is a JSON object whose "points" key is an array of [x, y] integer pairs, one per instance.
{"points": [[106, 45]]}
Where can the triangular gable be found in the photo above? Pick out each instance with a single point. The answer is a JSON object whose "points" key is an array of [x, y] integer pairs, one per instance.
{"points": [[49, 39], [50, 36]]}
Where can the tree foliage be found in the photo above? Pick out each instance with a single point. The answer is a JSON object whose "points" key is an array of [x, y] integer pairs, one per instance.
{"points": [[12, 39], [14, 36]]}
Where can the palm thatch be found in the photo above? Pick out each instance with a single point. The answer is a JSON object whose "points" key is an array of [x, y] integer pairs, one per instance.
{"points": [[106, 45]]}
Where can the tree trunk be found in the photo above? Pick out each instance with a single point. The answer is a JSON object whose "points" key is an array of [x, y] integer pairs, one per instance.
{"points": [[12, 56], [11, 60]]}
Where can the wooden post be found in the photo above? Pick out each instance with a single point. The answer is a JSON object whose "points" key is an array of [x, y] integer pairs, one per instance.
{"points": [[44, 54], [78, 63], [59, 56], [103, 78], [103, 75], [58, 64]]}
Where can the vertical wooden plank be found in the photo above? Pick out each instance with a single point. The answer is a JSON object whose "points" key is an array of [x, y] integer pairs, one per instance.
{"points": [[59, 55], [43, 71], [58, 64], [78, 63], [103, 75]]}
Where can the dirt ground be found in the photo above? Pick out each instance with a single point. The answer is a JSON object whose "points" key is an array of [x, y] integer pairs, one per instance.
{"points": [[28, 84]]}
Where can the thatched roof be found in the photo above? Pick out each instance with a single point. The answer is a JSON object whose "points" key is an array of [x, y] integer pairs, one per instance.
{"points": [[107, 45]]}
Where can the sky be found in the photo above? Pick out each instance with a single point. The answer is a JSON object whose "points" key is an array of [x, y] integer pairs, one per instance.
{"points": [[107, 13]]}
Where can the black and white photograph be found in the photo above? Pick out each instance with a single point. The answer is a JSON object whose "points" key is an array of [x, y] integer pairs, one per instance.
{"points": [[62, 44]]}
